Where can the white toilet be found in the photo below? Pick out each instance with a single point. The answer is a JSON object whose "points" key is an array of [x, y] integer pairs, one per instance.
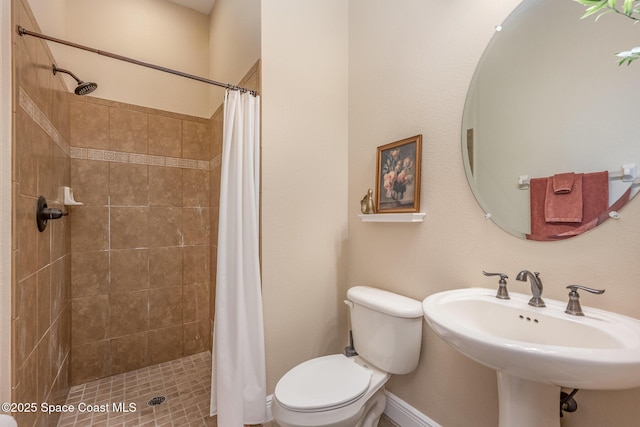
{"points": [[7, 421], [340, 391]]}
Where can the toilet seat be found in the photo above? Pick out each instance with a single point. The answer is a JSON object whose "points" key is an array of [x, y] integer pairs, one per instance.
{"points": [[323, 384]]}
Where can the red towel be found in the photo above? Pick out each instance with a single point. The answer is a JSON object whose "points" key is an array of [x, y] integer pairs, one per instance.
{"points": [[595, 201], [564, 205], [563, 182], [616, 206]]}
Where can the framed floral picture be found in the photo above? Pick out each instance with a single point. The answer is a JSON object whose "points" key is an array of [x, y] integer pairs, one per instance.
{"points": [[398, 176]]}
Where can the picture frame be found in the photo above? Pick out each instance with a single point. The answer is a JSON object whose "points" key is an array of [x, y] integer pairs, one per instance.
{"points": [[398, 176]]}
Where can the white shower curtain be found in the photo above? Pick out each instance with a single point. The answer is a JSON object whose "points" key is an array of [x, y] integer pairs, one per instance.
{"points": [[238, 386]]}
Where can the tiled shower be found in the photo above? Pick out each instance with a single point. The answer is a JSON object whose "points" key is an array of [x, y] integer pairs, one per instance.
{"points": [[127, 280], [140, 244]]}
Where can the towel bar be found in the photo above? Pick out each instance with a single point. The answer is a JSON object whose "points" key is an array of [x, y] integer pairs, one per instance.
{"points": [[628, 173]]}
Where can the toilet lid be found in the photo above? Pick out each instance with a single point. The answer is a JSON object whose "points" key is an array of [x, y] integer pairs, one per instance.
{"points": [[323, 383]]}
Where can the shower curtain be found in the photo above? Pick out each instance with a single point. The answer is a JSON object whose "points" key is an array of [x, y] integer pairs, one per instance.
{"points": [[238, 382]]}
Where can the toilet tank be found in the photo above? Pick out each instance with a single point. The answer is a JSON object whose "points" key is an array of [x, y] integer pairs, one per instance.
{"points": [[387, 328]]}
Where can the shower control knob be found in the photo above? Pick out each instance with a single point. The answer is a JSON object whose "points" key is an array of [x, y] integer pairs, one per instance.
{"points": [[52, 213], [45, 213]]}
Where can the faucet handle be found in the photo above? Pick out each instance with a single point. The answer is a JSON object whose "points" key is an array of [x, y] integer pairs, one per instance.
{"points": [[503, 293], [574, 288], [573, 307]]}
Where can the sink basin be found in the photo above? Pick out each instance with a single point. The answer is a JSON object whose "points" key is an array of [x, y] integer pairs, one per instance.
{"points": [[537, 350]]}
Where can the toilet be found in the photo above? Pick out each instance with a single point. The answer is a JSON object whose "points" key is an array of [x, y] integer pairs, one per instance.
{"points": [[7, 421], [341, 391]]}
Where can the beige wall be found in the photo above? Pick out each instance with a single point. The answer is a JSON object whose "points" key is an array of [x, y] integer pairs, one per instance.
{"points": [[410, 64], [220, 46], [304, 180], [157, 32], [234, 42]]}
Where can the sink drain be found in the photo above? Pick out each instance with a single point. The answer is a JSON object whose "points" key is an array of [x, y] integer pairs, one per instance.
{"points": [[156, 401]]}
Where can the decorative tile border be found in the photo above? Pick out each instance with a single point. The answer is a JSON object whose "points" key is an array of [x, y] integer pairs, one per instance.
{"points": [[216, 161], [30, 107], [141, 159]]}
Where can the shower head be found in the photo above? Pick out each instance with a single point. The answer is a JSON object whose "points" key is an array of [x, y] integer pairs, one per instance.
{"points": [[83, 88]]}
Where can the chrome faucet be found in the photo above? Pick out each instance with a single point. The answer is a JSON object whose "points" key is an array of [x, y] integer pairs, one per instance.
{"points": [[536, 287]]}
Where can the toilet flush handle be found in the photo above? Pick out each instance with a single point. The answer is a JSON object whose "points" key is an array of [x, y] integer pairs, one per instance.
{"points": [[350, 350]]}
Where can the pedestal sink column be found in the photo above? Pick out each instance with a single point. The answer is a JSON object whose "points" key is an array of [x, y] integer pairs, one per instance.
{"points": [[525, 403]]}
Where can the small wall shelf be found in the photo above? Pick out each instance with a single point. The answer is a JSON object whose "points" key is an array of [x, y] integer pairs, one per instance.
{"points": [[393, 217]]}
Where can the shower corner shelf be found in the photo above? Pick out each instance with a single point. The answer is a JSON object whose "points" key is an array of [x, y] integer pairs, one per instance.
{"points": [[393, 217]]}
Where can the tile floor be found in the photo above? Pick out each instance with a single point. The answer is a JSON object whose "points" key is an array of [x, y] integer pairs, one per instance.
{"points": [[186, 384]]}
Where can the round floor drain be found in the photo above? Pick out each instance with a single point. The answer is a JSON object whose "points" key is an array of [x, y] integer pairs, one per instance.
{"points": [[156, 401]]}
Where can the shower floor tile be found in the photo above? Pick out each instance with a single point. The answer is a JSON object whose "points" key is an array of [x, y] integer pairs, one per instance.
{"points": [[121, 400]]}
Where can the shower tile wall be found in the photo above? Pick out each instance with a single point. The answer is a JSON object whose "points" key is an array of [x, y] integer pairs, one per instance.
{"points": [[214, 183], [141, 252], [41, 262]]}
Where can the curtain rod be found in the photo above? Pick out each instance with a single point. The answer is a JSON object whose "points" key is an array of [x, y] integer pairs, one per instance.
{"points": [[22, 31]]}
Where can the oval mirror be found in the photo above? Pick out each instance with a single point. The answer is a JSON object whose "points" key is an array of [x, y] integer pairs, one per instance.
{"points": [[548, 102]]}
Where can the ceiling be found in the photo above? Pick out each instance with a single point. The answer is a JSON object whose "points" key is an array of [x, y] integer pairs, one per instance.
{"points": [[202, 6]]}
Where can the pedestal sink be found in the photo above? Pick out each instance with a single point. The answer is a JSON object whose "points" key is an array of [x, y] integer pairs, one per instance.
{"points": [[536, 351]]}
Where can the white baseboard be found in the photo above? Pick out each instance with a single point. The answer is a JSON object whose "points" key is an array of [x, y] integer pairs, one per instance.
{"points": [[269, 403], [406, 415], [397, 409]]}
